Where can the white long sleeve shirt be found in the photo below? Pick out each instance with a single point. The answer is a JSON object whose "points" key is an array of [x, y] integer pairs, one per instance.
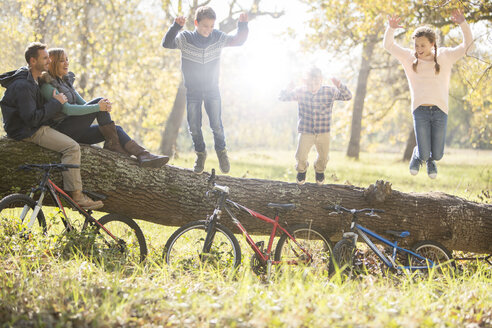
{"points": [[427, 87]]}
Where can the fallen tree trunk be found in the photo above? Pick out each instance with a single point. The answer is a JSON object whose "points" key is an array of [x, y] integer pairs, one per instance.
{"points": [[174, 196]]}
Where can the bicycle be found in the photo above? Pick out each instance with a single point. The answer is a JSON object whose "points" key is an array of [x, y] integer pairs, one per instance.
{"points": [[208, 242], [113, 234], [348, 259]]}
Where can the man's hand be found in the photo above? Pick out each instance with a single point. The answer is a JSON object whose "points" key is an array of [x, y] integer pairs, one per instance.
{"points": [[336, 82], [180, 20], [243, 18], [60, 97], [457, 16], [104, 105], [394, 21]]}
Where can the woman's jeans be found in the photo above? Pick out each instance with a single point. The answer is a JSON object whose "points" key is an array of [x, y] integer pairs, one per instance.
{"points": [[80, 127], [211, 99], [430, 131]]}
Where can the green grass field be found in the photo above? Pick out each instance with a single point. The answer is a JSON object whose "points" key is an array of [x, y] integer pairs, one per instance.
{"points": [[46, 283]]}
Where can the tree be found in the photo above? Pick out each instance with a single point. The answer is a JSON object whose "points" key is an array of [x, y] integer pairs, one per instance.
{"points": [[174, 196]]}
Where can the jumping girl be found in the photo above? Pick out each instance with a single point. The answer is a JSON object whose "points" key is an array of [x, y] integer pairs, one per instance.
{"points": [[428, 70]]}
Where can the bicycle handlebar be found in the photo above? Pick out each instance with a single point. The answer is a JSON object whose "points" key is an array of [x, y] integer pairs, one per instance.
{"points": [[339, 209]]}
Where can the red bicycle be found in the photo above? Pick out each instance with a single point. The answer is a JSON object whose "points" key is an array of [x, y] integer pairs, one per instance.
{"points": [[208, 242], [112, 235]]}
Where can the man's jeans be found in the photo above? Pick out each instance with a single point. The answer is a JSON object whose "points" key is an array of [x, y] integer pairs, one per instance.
{"points": [[430, 131], [211, 99]]}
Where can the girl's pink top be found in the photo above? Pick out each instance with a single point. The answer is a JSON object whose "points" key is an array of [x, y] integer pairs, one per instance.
{"points": [[427, 87]]}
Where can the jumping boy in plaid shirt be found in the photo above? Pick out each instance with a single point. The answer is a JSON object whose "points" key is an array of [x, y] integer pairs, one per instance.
{"points": [[315, 104]]}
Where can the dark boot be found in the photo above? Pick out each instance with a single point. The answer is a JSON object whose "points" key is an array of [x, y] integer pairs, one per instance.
{"points": [[112, 141], [145, 159]]}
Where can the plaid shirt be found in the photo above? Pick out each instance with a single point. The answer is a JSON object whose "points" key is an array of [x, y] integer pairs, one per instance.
{"points": [[315, 109]]}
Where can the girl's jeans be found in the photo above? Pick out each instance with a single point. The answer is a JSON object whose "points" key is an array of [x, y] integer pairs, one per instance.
{"points": [[211, 100], [430, 131]]}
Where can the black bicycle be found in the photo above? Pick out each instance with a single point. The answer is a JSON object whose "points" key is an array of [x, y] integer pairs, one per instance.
{"points": [[113, 234]]}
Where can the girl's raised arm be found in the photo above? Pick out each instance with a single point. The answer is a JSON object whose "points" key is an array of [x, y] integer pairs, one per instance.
{"points": [[461, 50], [389, 41]]}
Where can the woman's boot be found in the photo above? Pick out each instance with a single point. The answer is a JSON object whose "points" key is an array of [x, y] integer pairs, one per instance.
{"points": [[145, 159], [111, 136]]}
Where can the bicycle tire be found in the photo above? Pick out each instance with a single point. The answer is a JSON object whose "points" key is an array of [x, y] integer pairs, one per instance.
{"points": [[130, 243], [312, 239], [184, 248], [342, 259], [11, 207], [434, 251]]}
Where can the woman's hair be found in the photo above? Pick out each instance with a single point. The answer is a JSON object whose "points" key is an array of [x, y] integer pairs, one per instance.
{"points": [[432, 37], [56, 55]]}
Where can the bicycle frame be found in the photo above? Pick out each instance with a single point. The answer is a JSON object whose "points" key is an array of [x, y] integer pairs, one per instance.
{"points": [[46, 185], [266, 257], [359, 230]]}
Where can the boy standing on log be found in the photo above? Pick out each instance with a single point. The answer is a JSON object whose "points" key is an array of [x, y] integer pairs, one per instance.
{"points": [[200, 63], [315, 103]]}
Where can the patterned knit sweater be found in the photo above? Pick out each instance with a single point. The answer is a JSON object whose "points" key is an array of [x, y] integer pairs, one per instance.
{"points": [[200, 56]]}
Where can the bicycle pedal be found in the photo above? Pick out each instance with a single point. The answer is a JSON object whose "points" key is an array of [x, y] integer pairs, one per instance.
{"points": [[260, 245]]}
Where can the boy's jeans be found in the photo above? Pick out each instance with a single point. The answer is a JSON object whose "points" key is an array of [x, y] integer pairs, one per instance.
{"points": [[304, 145], [430, 131], [212, 101]]}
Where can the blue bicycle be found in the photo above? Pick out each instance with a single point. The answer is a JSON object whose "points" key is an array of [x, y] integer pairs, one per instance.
{"points": [[349, 260]]}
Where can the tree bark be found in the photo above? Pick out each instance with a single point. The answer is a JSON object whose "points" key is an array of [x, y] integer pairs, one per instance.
{"points": [[411, 143], [174, 122], [360, 95], [174, 196]]}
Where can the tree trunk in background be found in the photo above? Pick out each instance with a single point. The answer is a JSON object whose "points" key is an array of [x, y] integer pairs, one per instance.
{"points": [[411, 143], [174, 196], [174, 122], [360, 94]]}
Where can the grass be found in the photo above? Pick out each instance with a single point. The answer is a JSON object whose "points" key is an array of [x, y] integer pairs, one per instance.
{"points": [[41, 285]]}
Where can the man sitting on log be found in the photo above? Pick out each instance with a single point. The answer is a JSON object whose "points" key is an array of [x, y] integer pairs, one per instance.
{"points": [[27, 116]]}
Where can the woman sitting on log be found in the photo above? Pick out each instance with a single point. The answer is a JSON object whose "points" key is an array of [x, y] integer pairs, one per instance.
{"points": [[77, 115]]}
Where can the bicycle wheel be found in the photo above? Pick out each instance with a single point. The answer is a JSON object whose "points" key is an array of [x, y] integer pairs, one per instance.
{"points": [[128, 244], [20, 208], [343, 258], [433, 251], [184, 249], [311, 239]]}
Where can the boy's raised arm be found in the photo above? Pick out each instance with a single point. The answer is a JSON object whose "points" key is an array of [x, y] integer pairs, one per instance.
{"points": [[343, 93], [242, 32], [169, 40]]}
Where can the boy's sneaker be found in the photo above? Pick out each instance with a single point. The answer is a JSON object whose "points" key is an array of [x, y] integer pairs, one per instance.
{"points": [[320, 178], [224, 164], [415, 164], [431, 169], [200, 162], [301, 177]]}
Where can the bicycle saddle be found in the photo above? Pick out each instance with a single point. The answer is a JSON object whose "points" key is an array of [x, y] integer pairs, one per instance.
{"points": [[399, 234], [94, 195], [282, 206]]}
